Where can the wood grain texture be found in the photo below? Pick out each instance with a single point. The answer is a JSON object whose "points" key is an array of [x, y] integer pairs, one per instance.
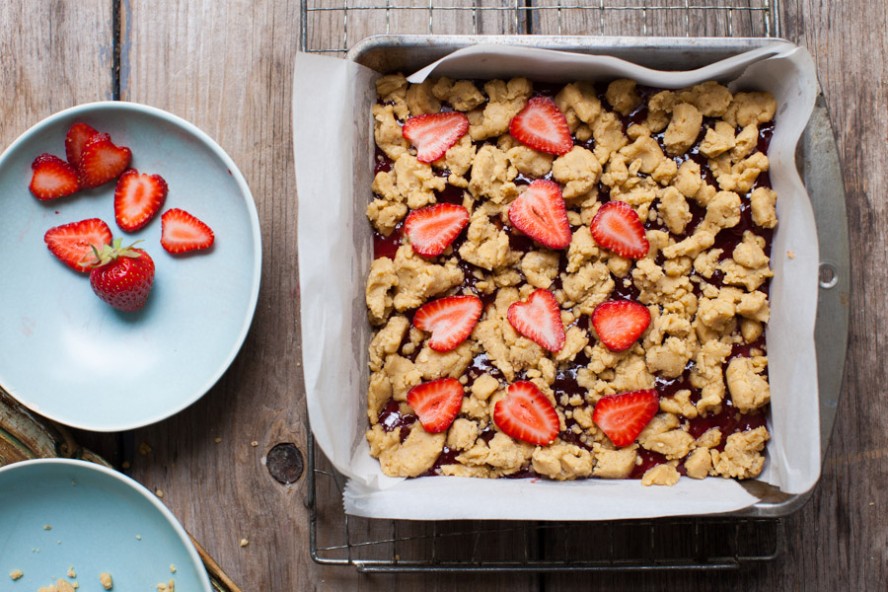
{"points": [[227, 67], [56, 55]]}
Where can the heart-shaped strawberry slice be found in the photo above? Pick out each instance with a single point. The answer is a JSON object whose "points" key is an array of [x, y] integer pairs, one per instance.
{"points": [[450, 320], [539, 319], [618, 228], [102, 161], [540, 213], [619, 323], [436, 403]]}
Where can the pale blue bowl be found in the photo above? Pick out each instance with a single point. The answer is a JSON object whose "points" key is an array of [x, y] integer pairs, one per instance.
{"points": [[57, 513], [69, 356]]}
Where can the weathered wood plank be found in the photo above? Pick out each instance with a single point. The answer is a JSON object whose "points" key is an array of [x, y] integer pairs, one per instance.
{"points": [[227, 68], [44, 43], [55, 55]]}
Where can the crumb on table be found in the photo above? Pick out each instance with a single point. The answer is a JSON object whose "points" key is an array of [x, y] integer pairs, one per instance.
{"points": [[105, 580], [16, 574]]}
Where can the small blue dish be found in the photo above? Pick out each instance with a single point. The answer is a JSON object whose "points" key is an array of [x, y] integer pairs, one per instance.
{"points": [[72, 358], [57, 514]]}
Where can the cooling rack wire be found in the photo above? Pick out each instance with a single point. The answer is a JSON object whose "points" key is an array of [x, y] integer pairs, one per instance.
{"points": [[368, 545]]}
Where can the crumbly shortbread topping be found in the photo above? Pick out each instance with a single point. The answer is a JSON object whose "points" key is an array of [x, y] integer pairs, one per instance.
{"points": [[692, 164]]}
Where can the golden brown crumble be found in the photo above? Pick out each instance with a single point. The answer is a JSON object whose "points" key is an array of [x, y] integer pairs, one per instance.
{"points": [[688, 162]]}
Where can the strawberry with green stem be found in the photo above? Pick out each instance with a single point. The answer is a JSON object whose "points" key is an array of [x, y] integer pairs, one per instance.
{"points": [[122, 276]]}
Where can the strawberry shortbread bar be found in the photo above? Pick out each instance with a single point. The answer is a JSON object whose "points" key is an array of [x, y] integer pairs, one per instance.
{"points": [[569, 281]]}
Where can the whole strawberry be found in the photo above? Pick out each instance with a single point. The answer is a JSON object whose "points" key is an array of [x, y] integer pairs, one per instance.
{"points": [[122, 276]]}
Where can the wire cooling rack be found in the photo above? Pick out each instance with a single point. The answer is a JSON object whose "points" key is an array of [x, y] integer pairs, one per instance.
{"points": [[334, 26], [703, 544], [388, 546]]}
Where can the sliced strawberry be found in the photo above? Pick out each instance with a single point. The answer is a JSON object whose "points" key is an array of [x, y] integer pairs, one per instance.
{"points": [[432, 229], [181, 232], [618, 228], [450, 320], [436, 403], [542, 126], [619, 323], [540, 213], [78, 135], [137, 198], [101, 161], [434, 133], [526, 414], [539, 319], [622, 417], [73, 243], [52, 178]]}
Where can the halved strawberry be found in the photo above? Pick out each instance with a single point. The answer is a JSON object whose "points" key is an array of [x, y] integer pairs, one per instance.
{"points": [[78, 135], [540, 213], [181, 232], [526, 414], [137, 198], [542, 126], [618, 228], [622, 417], [432, 229], [434, 133], [539, 319], [436, 403], [450, 320], [619, 323], [52, 178], [101, 161], [73, 243]]}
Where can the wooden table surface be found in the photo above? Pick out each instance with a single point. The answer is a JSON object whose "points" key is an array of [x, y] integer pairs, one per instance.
{"points": [[227, 67]]}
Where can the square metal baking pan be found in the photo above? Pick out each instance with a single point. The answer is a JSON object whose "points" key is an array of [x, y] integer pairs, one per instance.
{"points": [[817, 160]]}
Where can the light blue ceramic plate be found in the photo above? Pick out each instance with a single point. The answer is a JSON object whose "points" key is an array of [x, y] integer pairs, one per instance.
{"points": [[69, 356], [56, 514]]}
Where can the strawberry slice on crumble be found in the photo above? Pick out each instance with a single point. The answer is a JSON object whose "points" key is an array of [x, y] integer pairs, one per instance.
{"points": [[526, 414], [540, 213], [539, 319], [542, 126], [434, 133], [432, 229], [622, 417], [436, 403]]}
